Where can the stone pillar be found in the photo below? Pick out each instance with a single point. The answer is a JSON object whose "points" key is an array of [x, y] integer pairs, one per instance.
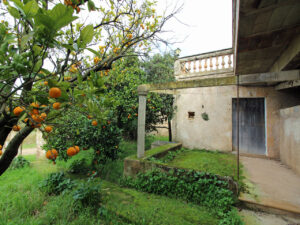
{"points": [[177, 68], [39, 143], [142, 91]]}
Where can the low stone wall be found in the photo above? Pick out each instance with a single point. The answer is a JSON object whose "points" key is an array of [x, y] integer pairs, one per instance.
{"points": [[133, 165], [290, 137]]}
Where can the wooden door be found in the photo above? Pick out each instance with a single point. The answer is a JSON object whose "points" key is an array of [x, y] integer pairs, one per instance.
{"points": [[252, 125]]}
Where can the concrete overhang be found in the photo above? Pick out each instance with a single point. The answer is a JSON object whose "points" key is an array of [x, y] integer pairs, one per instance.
{"points": [[266, 32], [257, 79]]}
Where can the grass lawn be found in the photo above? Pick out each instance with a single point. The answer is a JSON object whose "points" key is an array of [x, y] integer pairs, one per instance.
{"points": [[30, 141], [22, 202], [223, 164]]}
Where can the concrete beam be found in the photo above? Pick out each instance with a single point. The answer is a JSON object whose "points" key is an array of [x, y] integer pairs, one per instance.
{"points": [[207, 82], [288, 84], [287, 56], [270, 77]]}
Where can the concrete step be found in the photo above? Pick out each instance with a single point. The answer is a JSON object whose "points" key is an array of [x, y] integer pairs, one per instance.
{"points": [[271, 206]]}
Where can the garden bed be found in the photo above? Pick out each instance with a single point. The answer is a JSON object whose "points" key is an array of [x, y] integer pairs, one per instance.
{"points": [[172, 157]]}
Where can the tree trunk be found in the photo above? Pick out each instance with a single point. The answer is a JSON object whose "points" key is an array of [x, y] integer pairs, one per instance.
{"points": [[170, 130], [6, 124], [11, 150]]}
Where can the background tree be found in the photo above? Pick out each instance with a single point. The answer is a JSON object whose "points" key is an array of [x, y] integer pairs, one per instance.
{"points": [[122, 85], [159, 69], [44, 45]]}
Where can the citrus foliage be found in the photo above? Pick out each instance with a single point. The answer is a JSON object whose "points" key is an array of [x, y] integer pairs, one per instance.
{"points": [[122, 85], [55, 56], [104, 138]]}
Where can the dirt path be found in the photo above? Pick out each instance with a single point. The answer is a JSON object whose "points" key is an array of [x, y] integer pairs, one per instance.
{"points": [[28, 151]]}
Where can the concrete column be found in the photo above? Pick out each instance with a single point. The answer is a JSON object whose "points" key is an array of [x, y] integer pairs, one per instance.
{"points": [[141, 122], [40, 153]]}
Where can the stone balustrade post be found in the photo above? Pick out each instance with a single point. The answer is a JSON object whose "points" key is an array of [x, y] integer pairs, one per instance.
{"points": [[142, 91]]}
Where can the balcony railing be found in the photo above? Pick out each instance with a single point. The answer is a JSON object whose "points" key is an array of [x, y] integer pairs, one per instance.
{"points": [[204, 64]]}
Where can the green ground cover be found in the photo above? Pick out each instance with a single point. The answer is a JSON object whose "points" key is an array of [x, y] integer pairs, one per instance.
{"points": [[219, 163], [23, 202]]}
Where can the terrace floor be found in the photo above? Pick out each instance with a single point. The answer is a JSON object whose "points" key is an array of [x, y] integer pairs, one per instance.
{"points": [[272, 185]]}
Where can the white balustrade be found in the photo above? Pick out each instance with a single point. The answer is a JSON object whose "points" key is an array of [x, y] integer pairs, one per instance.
{"points": [[208, 63]]}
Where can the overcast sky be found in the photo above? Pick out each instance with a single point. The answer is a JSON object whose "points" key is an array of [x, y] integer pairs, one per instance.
{"points": [[209, 25]]}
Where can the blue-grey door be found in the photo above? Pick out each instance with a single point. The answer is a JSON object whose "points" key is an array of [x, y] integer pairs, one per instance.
{"points": [[252, 125]]}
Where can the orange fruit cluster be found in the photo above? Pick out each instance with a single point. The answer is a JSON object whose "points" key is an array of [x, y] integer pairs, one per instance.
{"points": [[51, 154], [96, 60], [16, 128], [48, 129], [74, 6], [18, 110], [73, 150]]}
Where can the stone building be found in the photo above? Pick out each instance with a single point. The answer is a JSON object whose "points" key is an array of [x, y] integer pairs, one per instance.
{"points": [[262, 70]]}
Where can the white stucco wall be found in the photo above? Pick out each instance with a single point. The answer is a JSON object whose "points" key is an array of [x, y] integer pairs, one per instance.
{"points": [[290, 137], [216, 133]]}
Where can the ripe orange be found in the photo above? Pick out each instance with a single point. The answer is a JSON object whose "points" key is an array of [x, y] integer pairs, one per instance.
{"points": [[54, 92], [37, 125], [16, 128], [18, 110], [71, 151], [34, 112], [51, 154], [44, 115], [0, 152], [48, 129], [94, 123], [37, 118], [46, 83], [77, 148], [35, 105], [56, 105]]}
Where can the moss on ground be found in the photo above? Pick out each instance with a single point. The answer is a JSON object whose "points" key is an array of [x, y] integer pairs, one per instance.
{"points": [[222, 164]]}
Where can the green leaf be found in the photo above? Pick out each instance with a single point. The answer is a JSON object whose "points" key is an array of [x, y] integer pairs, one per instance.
{"points": [[18, 4], [31, 8], [70, 47], [62, 15], [86, 35], [52, 83], [37, 50], [14, 12], [95, 52], [38, 65], [45, 20], [25, 39]]}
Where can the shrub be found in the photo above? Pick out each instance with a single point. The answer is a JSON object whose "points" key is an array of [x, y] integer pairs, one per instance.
{"points": [[79, 166], [57, 183], [88, 194], [19, 162], [197, 187], [103, 138]]}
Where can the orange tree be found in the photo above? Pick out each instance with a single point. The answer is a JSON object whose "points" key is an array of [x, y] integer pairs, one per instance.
{"points": [[122, 86], [47, 44]]}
